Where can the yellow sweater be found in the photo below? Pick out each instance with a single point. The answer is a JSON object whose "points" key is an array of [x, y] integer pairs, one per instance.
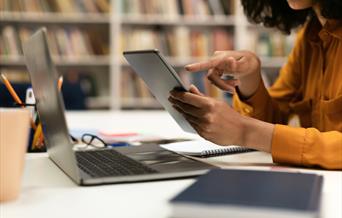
{"points": [[310, 86]]}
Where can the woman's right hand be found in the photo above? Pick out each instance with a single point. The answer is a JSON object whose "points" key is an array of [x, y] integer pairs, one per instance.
{"points": [[244, 66]]}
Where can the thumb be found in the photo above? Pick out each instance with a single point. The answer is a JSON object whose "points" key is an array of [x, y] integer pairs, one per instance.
{"points": [[194, 89]]}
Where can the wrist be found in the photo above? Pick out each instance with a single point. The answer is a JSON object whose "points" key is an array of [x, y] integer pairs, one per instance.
{"points": [[249, 85], [257, 134], [250, 82]]}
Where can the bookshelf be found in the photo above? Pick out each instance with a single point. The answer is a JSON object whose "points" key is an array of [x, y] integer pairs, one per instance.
{"points": [[184, 32], [79, 39], [56, 17]]}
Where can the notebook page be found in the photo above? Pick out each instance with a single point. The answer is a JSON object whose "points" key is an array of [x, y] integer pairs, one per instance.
{"points": [[197, 147]]}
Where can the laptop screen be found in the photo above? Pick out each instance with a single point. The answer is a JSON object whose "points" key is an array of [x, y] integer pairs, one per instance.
{"points": [[49, 102]]}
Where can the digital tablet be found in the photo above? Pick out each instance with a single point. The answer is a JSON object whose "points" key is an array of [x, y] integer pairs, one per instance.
{"points": [[160, 78]]}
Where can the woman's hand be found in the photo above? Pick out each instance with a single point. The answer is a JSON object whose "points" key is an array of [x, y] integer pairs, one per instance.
{"points": [[244, 66], [216, 121]]}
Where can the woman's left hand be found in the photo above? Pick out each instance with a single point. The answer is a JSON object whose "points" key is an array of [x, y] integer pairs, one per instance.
{"points": [[214, 120]]}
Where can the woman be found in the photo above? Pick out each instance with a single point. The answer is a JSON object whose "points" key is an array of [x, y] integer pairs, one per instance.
{"points": [[309, 85]]}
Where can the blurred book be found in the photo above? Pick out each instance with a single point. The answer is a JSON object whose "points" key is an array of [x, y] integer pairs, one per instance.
{"points": [[270, 44], [69, 41], [10, 42], [134, 88], [56, 6], [175, 8], [248, 193], [179, 42]]}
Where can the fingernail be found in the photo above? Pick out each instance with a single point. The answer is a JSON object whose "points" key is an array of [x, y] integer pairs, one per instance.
{"points": [[187, 67]]}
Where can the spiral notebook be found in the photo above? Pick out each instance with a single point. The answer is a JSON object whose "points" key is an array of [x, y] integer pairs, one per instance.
{"points": [[203, 148]]}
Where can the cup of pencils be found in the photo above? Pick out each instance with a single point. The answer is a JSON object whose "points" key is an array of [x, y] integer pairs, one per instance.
{"points": [[36, 139]]}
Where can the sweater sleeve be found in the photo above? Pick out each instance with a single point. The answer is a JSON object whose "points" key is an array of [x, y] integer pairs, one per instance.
{"points": [[307, 147], [298, 146]]}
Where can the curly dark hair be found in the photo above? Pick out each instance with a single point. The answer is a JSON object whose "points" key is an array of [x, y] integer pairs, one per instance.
{"points": [[277, 13]]}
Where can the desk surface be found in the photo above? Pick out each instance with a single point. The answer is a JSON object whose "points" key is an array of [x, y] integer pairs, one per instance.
{"points": [[48, 192]]}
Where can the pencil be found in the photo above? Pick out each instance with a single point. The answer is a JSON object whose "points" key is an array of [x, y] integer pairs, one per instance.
{"points": [[60, 83], [11, 90], [38, 138], [14, 95]]}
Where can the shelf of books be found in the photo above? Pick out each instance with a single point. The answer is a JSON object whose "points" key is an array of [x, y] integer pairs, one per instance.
{"points": [[54, 17], [185, 31], [87, 38], [78, 36], [147, 20]]}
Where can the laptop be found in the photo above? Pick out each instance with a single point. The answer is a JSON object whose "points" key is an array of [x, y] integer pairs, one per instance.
{"points": [[94, 166]]}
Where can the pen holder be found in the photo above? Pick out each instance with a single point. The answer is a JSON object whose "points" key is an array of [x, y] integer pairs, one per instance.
{"points": [[14, 129], [36, 139]]}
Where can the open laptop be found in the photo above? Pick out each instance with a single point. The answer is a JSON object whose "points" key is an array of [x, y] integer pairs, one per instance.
{"points": [[97, 166]]}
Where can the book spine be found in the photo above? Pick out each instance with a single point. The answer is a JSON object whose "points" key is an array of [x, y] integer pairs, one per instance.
{"points": [[181, 42], [270, 44], [175, 8], [72, 42], [59, 6], [134, 87]]}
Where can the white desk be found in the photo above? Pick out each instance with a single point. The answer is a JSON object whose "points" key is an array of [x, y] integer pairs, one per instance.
{"points": [[48, 192]]}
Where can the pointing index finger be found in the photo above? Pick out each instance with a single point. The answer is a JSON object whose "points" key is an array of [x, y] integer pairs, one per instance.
{"points": [[205, 65]]}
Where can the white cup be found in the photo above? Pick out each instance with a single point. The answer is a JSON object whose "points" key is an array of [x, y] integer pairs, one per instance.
{"points": [[14, 132]]}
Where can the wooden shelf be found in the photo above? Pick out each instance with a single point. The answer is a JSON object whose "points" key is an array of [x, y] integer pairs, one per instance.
{"points": [[150, 103], [266, 62], [147, 20], [60, 61], [44, 17], [182, 61], [100, 102]]}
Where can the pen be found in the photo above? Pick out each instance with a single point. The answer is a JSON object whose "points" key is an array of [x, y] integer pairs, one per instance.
{"points": [[14, 95], [118, 144]]}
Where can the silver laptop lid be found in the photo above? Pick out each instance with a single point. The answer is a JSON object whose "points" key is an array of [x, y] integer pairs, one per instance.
{"points": [[49, 102]]}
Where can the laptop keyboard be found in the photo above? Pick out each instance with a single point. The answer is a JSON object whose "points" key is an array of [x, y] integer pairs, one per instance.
{"points": [[107, 163]]}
